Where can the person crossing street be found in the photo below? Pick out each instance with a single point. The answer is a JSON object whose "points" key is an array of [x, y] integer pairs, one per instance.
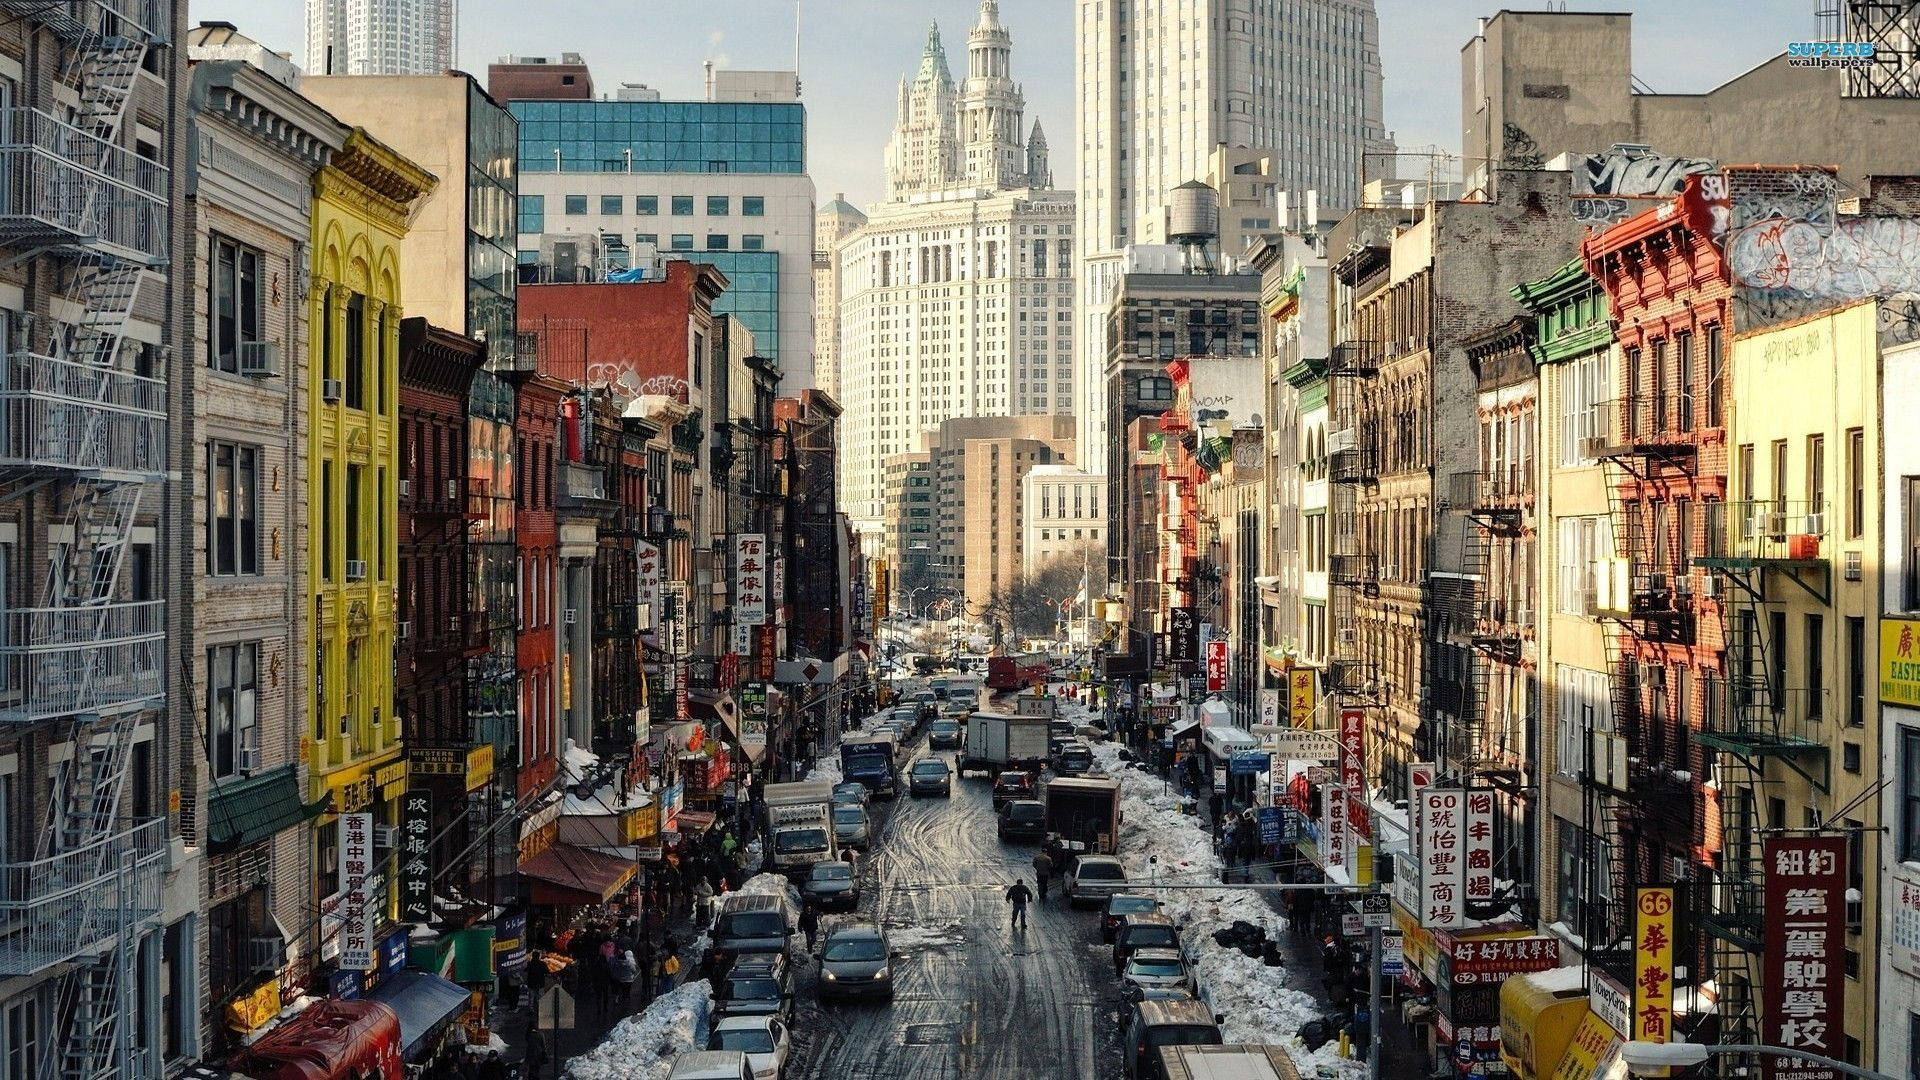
{"points": [[1018, 895], [1042, 870]]}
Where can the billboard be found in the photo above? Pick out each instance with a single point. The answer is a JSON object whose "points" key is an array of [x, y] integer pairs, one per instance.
{"points": [[1654, 919], [1804, 988], [750, 579]]}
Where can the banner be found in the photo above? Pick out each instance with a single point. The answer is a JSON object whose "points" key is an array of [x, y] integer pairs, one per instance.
{"points": [[1183, 636], [1478, 884], [1333, 832], [416, 873], [1804, 987], [1442, 870], [1269, 707], [1353, 767], [1216, 665], [356, 866], [1653, 927], [648, 557], [779, 590], [750, 578], [1300, 696]]}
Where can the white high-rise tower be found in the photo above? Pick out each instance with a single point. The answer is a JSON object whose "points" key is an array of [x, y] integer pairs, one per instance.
{"points": [[1161, 83], [381, 37], [992, 108]]}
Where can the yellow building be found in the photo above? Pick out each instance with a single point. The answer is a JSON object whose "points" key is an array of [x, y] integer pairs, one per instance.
{"points": [[352, 746], [1796, 725]]}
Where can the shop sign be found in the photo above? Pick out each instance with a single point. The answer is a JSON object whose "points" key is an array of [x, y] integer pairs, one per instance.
{"points": [[1653, 927], [1900, 661], [474, 1020], [671, 799], [415, 877], [510, 942], [1295, 744], [437, 761], [1906, 919], [1478, 876], [1276, 825], [1353, 766], [1611, 1003], [1593, 1042], [1183, 636], [251, 1010], [1333, 834], [1350, 924], [389, 956], [640, 825], [389, 778], [538, 831], [648, 594], [750, 578], [479, 766], [769, 651], [1442, 868], [682, 704], [1247, 763], [1804, 991], [1300, 696], [1494, 961], [1269, 707], [356, 865], [1216, 665]]}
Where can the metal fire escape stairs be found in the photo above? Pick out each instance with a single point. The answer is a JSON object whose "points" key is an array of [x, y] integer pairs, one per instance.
{"points": [[1352, 572]]}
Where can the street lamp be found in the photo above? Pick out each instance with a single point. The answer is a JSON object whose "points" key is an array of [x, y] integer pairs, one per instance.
{"points": [[1648, 1055]]}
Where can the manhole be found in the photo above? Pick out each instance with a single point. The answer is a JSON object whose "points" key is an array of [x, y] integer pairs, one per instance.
{"points": [[930, 1035]]}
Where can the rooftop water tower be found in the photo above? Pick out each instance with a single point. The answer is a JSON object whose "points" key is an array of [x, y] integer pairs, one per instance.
{"points": [[1193, 222]]}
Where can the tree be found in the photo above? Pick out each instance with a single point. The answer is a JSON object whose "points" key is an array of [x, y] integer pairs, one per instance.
{"points": [[1035, 604]]}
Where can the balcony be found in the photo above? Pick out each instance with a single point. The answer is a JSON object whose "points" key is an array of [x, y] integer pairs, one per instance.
{"points": [[1657, 428], [1354, 571], [1350, 461], [1347, 676], [583, 488], [61, 187], [81, 661], [1496, 500], [57, 416], [1354, 360], [76, 903], [1766, 534], [76, 20]]}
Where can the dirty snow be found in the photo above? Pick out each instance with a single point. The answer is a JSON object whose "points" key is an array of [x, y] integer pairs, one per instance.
{"points": [[1259, 1002], [643, 1046], [771, 885], [926, 937]]}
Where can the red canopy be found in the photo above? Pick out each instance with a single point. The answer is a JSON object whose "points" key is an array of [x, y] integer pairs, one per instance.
{"points": [[332, 1040]]}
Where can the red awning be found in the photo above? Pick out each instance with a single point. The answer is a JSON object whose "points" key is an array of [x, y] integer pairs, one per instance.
{"points": [[568, 875], [693, 821]]}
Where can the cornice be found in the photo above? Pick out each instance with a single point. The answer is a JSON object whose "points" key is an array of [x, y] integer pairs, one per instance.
{"points": [[381, 172]]}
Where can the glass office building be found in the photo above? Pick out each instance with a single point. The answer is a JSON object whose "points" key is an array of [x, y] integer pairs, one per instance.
{"points": [[662, 136]]}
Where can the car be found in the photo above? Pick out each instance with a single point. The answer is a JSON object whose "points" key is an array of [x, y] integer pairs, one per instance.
{"points": [[851, 793], [1012, 784], [763, 1039], [1157, 1023], [943, 735], [1074, 759], [760, 985], [1023, 819], [1157, 968], [748, 924], [930, 776], [1149, 930], [832, 885], [852, 828], [711, 1065], [1095, 877], [1118, 907], [856, 961]]}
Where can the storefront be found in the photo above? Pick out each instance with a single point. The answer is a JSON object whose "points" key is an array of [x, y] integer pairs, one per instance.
{"points": [[1462, 972], [1222, 741]]}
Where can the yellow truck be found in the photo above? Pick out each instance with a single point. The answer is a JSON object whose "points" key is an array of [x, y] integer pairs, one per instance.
{"points": [[1538, 1016]]}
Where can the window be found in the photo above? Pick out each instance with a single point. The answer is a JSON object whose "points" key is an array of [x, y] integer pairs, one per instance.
{"points": [[576, 204], [232, 690], [533, 213], [652, 239], [1583, 708], [1856, 672], [1910, 499], [1584, 543], [1779, 476], [716, 241], [683, 241], [326, 532], [753, 242], [719, 205], [646, 205], [356, 351], [235, 310], [1815, 629], [354, 525], [753, 206], [233, 486], [1155, 388], [1856, 483], [682, 206], [612, 205], [1716, 375], [23, 1036], [1816, 474], [1683, 378]]}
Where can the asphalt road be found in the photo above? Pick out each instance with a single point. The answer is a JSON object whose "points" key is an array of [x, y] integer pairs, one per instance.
{"points": [[972, 999]]}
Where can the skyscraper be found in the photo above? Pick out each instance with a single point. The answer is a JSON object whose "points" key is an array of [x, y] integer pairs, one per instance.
{"points": [[381, 37], [965, 135], [1161, 84]]}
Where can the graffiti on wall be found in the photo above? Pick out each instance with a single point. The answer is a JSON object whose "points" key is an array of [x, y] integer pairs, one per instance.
{"points": [[620, 379], [1518, 150], [1899, 319], [1601, 210], [1634, 171]]}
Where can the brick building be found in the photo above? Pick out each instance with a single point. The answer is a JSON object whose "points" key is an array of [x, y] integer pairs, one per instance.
{"points": [[537, 538]]}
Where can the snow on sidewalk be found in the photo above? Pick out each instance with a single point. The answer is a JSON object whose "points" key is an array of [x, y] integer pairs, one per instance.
{"points": [[643, 1046], [1258, 1002]]}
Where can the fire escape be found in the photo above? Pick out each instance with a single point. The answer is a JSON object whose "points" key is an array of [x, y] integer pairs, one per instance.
{"points": [[1497, 510], [83, 426], [1759, 554], [1637, 788], [1353, 452]]}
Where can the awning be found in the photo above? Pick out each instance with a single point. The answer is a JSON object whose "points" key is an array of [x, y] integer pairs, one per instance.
{"points": [[244, 812], [693, 821], [425, 1004], [1222, 739], [564, 874], [1182, 726], [714, 704]]}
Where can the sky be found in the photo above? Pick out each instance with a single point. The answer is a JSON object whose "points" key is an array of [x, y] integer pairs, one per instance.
{"points": [[854, 52]]}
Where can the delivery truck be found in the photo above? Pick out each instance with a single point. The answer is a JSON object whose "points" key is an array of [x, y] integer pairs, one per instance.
{"points": [[999, 740], [1226, 1062], [1084, 812], [1017, 671], [868, 759], [799, 827]]}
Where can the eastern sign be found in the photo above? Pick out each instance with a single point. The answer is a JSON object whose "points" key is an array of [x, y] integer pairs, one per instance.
{"points": [[1293, 744], [1216, 665], [1653, 926], [415, 876], [1300, 696], [1353, 766], [1479, 850], [1804, 1000], [1183, 636], [1900, 661], [647, 557], [1334, 830]]}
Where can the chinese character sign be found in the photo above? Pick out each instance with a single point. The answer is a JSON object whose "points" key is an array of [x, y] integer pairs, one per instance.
{"points": [[1653, 926], [1804, 983], [1479, 846], [1333, 835], [1442, 861], [416, 840], [1905, 919], [1269, 707], [1216, 665], [356, 866], [1300, 696], [649, 586], [1183, 636], [751, 566], [1353, 767]]}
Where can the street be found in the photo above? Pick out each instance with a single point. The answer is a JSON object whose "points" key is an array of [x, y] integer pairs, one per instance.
{"points": [[971, 999]]}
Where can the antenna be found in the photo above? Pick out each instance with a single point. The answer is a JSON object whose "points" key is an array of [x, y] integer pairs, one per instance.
{"points": [[796, 38]]}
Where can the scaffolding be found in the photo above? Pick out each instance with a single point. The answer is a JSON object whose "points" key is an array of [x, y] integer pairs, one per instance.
{"points": [[1892, 27]]}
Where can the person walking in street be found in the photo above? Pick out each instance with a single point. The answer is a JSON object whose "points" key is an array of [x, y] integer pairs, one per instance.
{"points": [[1042, 870], [810, 923], [623, 970], [1018, 895], [669, 968], [644, 963]]}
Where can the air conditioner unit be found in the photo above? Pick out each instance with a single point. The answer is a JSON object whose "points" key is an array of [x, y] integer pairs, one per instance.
{"points": [[453, 489], [406, 489], [249, 757], [1677, 869], [1390, 570], [356, 569], [259, 359], [453, 623], [1814, 525], [1709, 587], [386, 836], [571, 615], [1349, 635], [1768, 524], [403, 630], [330, 391], [1852, 571], [266, 954]]}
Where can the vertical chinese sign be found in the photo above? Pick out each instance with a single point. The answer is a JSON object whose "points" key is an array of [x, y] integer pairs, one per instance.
{"points": [[750, 567], [648, 594], [415, 878], [1300, 696], [1216, 665], [1334, 838], [356, 865], [1479, 847], [1806, 896], [1653, 926], [1353, 769], [1442, 869]]}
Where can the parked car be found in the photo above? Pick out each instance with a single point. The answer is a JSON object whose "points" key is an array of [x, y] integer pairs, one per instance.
{"points": [[1156, 968], [1012, 785], [1095, 877], [1149, 930], [1074, 759], [1154, 1024], [856, 961], [711, 1065], [930, 776], [762, 1038], [852, 828], [944, 735], [758, 985], [748, 924], [1023, 819], [833, 885], [851, 793], [1118, 907]]}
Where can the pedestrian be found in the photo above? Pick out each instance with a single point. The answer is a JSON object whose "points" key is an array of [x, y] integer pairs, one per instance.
{"points": [[1042, 870], [536, 1056], [810, 923], [495, 1068], [1360, 1031], [623, 970], [1018, 894], [643, 962], [669, 968], [1215, 804]]}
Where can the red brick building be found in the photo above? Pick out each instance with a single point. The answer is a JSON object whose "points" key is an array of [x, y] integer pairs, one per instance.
{"points": [[536, 436], [648, 337]]}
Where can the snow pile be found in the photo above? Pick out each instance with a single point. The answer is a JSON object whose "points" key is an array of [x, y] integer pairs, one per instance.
{"points": [[1258, 1002], [643, 1046], [771, 885], [825, 771]]}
